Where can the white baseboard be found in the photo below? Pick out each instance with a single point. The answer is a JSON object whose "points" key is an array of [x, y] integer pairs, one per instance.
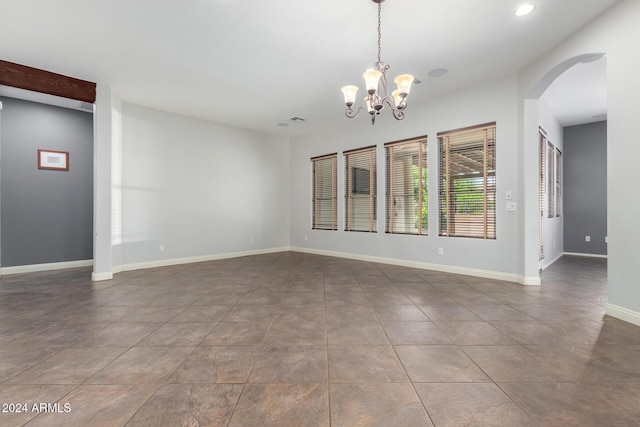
{"points": [[486, 274], [98, 277], [45, 267], [191, 260], [530, 281], [584, 255], [623, 313]]}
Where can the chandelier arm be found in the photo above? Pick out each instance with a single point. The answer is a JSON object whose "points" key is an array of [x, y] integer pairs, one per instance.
{"points": [[350, 113], [398, 114]]}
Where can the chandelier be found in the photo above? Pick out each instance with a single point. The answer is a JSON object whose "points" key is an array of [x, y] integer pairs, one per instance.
{"points": [[378, 89]]}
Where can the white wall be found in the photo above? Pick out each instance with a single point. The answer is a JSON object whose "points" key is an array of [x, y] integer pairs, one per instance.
{"points": [[196, 188], [494, 101], [553, 227], [615, 33]]}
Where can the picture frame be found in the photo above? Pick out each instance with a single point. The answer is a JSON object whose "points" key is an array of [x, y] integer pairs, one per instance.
{"points": [[53, 160]]}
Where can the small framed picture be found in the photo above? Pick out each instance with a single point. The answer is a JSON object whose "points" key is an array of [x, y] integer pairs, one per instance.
{"points": [[54, 160]]}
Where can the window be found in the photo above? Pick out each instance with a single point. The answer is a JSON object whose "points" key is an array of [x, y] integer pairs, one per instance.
{"points": [[324, 192], [406, 187], [467, 193], [558, 187], [550, 180], [360, 191], [542, 139]]}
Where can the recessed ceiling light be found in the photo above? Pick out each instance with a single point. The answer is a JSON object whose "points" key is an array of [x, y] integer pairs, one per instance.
{"points": [[283, 124], [438, 72], [524, 9]]}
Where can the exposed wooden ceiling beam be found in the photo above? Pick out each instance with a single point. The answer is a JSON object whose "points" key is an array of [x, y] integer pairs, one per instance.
{"points": [[23, 77]]}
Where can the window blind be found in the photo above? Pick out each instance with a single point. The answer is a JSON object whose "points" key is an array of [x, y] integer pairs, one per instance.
{"points": [[550, 180], [324, 192], [558, 187], [467, 182], [406, 187], [360, 190], [541, 169]]}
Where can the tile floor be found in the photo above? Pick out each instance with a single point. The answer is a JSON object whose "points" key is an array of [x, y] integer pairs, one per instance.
{"points": [[293, 339]]}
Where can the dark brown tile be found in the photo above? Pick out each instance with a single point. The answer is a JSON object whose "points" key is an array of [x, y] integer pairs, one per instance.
{"points": [[282, 405], [178, 334], [251, 313], [94, 314], [301, 313], [513, 364], [142, 365], [97, 405], [19, 401], [587, 365], [70, 366], [216, 365], [296, 333], [533, 332], [498, 313], [290, 364], [386, 298], [262, 297], [151, 314], [237, 333], [565, 404], [14, 360], [365, 364], [474, 333], [625, 397], [438, 363], [354, 313], [303, 298], [202, 313], [470, 404], [345, 298], [449, 313], [415, 333], [376, 405], [355, 333], [399, 313], [119, 335], [189, 404]]}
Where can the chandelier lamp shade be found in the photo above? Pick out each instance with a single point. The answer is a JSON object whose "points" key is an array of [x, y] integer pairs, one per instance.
{"points": [[377, 87]]}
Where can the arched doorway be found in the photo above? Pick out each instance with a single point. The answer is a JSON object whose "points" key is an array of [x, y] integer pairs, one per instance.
{"points": [[543, 127]]}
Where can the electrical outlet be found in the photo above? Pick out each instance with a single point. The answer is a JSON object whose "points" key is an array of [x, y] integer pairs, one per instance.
{"points": [[161, 248], [306, 238], [440, 251], [587, 238], [252, 240]]}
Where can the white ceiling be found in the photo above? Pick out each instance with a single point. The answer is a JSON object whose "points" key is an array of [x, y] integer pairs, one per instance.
{"points": [[256, 63]]}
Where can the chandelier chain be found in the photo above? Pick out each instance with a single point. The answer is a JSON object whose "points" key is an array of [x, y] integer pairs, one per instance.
{"points": [[379, 31]]}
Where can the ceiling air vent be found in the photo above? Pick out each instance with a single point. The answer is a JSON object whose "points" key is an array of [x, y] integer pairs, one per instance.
{"points": [[296, 119]]}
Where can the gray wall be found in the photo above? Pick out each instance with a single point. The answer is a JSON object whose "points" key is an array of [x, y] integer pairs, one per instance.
{"points": [[45, 216], [585, 188]]}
